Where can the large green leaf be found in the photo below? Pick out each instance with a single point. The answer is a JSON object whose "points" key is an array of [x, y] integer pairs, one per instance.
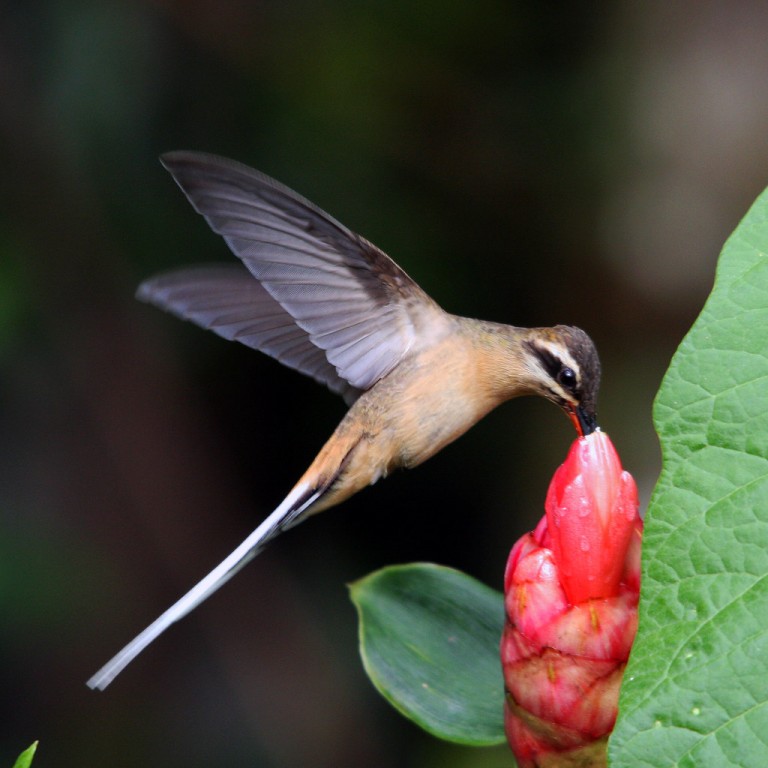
{"points": [[696, 689], [429, 638]]}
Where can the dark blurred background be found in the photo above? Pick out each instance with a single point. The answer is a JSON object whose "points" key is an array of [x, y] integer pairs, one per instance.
{"points": [[526, 162]]}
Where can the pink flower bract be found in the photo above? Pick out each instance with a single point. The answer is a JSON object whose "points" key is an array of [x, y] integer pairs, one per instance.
{"points": [[571, 592]]}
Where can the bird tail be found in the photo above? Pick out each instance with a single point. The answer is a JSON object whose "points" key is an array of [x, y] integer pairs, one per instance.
{"points": [[287, 514]]}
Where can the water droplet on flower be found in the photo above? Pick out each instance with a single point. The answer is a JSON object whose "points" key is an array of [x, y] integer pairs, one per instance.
{"points": [[584, 544], [584, 507]]}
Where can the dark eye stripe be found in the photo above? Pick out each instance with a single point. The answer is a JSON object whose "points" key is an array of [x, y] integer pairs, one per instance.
{"points": [[552, 364]]}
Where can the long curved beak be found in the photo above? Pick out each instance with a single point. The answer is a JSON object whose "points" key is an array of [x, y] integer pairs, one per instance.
{"points": [[584, 421]]}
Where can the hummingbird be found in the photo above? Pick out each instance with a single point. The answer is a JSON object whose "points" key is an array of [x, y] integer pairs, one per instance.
{"points": [[328, 303]]}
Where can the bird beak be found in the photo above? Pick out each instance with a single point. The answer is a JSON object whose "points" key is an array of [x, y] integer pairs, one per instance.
{"points": [[585, 422]]}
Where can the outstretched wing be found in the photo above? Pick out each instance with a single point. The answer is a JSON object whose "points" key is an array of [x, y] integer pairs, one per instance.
{"points": [[227, 300], [351, 300]]}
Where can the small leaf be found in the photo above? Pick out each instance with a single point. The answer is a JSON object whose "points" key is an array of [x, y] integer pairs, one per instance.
{"points": [[429, 639], [25, 758], [696, 689]]}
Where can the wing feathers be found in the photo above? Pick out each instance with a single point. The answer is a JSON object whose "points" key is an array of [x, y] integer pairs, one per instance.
{"points": [[350, 299], [227, 300]]}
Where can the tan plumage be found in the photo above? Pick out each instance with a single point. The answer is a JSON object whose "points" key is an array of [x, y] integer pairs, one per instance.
{"points": [[328, 303]]}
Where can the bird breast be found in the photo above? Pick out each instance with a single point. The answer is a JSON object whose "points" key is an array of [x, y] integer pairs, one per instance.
{"points": [[429, 400]]}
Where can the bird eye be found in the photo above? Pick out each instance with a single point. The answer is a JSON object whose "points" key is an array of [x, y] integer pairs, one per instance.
{"points": [[567, 378]]}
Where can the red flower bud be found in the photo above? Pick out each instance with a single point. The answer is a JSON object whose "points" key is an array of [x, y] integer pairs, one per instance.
{"points": [[571, 593], [591, 511]]}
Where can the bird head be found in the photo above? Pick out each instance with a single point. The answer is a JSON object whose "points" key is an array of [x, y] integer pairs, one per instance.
{"points": [[565, 369]]}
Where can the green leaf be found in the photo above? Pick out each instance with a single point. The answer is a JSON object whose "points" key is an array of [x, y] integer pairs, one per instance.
{"points": [[429, 639], [696, 689], [25, 758]]}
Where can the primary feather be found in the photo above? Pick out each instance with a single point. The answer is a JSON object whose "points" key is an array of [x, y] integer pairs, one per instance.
{"points": [[228, 300]]}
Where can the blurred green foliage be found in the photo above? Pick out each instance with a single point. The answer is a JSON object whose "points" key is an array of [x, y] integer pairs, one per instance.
{"points": [[25, 758]]}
